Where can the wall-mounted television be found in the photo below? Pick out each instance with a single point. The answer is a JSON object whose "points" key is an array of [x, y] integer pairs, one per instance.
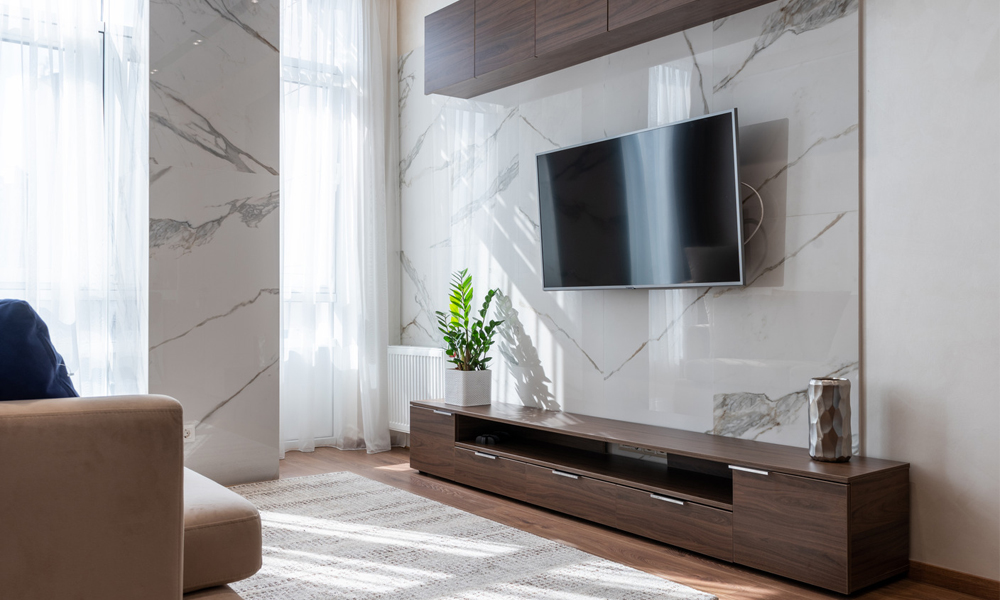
{"points": [[659, 208]]}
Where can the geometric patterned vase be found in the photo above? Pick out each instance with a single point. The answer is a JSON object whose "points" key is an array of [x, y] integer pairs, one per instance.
{"points": [[830, 419]]}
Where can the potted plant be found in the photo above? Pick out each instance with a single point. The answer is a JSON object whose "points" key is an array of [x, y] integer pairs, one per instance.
{"points": [[468, 341]]}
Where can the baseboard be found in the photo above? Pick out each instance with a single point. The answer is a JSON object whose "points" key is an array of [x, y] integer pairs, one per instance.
{"points": [[973, 585]]}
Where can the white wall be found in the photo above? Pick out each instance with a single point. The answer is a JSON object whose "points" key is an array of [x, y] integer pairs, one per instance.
{"points": [[932, 267]]}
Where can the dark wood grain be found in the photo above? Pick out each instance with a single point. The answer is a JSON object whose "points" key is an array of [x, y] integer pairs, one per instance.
{"points": [[505, 34], [432, 441], [731, 451], [646, 475], [979, 587], [691, 526], [582, 497], [627, 12], [449, 46], [726, 580], [879, 528], [666, 17], [497, 475], [560, 23], [792, 526]]}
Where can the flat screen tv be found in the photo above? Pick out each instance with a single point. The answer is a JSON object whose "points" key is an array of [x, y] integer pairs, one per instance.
{"points": [[658, 208]]}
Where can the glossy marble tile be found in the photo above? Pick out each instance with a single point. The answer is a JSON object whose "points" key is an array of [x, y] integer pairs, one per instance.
{"points": [[214, 236], [732, 361]]}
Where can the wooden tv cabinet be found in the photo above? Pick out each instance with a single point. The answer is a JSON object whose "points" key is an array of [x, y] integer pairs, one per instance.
{"points": [[839, 526]]}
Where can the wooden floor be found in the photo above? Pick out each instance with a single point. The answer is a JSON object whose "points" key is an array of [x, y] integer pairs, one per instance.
{"points": [[722, 579]]}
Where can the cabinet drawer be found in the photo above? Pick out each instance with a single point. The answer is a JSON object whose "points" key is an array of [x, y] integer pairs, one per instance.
{"points": [[572, 494], [792, 526], [678, 523], [432, 441], [490, 473]]}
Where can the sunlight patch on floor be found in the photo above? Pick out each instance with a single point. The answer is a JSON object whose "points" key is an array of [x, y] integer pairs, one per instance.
{"points": [[385, 535]]}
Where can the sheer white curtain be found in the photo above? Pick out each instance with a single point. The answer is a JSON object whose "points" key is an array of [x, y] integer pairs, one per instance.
{"points": [[338, 159], [72, 206]]}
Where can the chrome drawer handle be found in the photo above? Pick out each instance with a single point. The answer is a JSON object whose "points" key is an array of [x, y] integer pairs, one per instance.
{"points": [[562, 474], [484, 455], [442, 412], [746, 470], [667, 499]]}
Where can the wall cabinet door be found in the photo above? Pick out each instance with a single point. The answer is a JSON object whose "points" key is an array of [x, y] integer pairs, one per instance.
{"points": [[792, 526], [449, 45], [560, 23], [432, 441], [505, 33]]}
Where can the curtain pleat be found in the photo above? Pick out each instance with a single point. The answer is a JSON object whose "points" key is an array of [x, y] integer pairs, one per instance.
{"points": [[338, 155]]}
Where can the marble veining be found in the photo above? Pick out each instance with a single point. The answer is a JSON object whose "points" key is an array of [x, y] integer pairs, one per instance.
{"points": [[191, 126], [796, 17], [697, 68], [422, 297], [185, 236], [224, 11], [202, 323], [238, 392], [822, 140], [750, 415], [214, 230], [406, 80], [664, 357], [498, 186]]}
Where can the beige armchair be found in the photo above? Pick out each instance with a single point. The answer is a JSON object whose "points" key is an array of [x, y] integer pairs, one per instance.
{"points": [[95, 503]]}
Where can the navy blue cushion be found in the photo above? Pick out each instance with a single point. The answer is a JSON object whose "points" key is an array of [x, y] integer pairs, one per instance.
{"points": [[30, 367]]}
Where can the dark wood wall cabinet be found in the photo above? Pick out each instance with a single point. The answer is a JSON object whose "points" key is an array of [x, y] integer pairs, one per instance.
{"points": [[476, 46], [839, 526]]}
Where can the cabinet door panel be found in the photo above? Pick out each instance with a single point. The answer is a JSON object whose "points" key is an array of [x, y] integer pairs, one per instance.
{"points": [[449, 45], [432, 441], [792, 526], [505, 33], [685, 524], [625, 12], [572, 494], [559, 23]]}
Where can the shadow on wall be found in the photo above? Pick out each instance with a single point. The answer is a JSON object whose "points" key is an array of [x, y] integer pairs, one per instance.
{"points": [[764, 165], [523, 363]]}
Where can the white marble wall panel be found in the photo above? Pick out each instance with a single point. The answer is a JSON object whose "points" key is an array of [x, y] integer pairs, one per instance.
{"points": [[733, 361], [214, 228]]}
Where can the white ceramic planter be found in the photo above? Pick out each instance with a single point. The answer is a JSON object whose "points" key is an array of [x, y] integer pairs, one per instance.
{"points": [[467, 388]]}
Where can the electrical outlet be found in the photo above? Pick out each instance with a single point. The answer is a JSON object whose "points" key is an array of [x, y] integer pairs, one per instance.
{"points": [[189, 432]]}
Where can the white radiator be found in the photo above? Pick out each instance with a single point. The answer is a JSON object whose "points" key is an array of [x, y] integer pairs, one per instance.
{"points": [[415, 373]]}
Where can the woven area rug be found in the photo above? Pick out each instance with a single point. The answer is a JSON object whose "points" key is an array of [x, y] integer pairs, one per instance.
{"points": [[340, 535]]}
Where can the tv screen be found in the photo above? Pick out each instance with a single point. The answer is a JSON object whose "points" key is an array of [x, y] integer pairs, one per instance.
{"points": [[659, 208]]}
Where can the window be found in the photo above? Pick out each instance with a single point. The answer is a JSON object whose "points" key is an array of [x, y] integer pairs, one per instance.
{"points": [[73, 215]]}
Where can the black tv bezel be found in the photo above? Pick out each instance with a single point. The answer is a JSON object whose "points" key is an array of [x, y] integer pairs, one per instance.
{"points": [[739, 211]]}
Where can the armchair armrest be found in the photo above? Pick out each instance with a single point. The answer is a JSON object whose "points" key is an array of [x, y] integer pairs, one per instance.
{"points": [[91, 498]]}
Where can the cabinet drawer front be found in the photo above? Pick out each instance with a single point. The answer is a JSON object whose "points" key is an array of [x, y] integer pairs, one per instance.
{"points": [[678, 523], [432, 441], [497, 475], [572, 494], [792, 526]]}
